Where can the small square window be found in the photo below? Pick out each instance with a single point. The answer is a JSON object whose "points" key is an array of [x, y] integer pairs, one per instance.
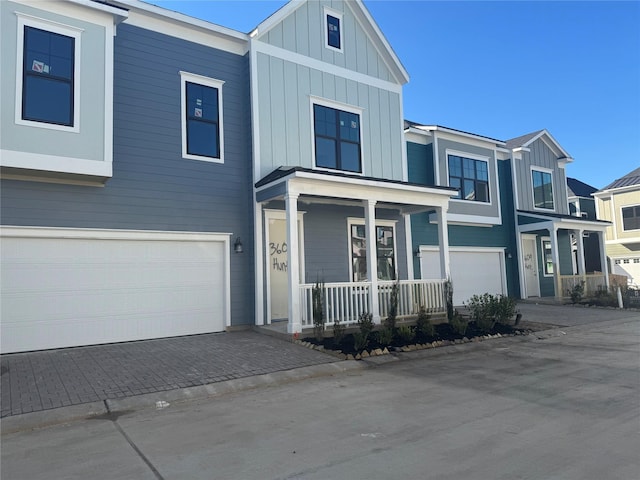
{"points": [[470, 177]]}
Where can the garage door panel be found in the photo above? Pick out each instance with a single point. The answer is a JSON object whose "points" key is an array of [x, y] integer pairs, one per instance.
{"points": [[472, 272], [65, 292]]}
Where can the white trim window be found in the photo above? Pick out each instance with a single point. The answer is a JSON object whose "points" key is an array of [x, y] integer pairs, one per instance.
{"points": [[333, 30], [201, 118], [542, 187], [48, 74], [385, 248], [630, 217], [470, 176], [337, 138], [547, 257]]}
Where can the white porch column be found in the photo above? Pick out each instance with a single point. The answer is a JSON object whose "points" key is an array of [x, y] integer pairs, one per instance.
{"points": [[372, 257], [291, 205], [580, 244], [259, 266], [603, 258], [556, 261], [443, 243], [409, 245]]}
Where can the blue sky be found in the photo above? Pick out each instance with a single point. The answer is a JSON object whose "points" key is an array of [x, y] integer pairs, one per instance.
{"points": [[503, 69]]}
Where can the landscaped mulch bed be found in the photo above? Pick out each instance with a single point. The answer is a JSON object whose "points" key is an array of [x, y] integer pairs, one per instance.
{"points": [[443, 335]]}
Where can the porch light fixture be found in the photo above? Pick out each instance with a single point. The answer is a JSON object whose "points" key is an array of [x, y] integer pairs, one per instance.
{"points": [[237, 245]]}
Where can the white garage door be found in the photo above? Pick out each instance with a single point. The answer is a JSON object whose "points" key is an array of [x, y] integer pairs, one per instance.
{"points": [[473, 271], [70, 287], [628, 266]]}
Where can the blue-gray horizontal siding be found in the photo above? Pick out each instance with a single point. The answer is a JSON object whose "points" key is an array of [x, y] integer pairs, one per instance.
{"points": [[153, 187]]}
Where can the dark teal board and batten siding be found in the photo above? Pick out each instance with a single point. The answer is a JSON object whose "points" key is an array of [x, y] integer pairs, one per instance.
{"points": [[153, 187], [502, 236]]}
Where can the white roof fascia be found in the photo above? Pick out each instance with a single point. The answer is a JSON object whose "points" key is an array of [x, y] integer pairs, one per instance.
{"points": [[438, 128], [613, 191], [117, 12], [275, 18], [554, 142], [182, 18]]}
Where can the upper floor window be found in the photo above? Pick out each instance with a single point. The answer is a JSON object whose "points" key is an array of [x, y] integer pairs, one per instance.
{"points": [[337, 139], [542, 183], [385, 252], [631, 218], [333, 29], [48, 55], [470, 177], [202, 137]]}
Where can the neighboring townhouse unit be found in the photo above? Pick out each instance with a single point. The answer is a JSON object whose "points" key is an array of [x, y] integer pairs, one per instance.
{"points": [[333, 202], [583, 205], [619, 203], [545, 228], [480, 220], [126, 174], [510, 230]]}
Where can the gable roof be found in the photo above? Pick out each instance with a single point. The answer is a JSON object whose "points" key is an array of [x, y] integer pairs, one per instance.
{"points": [[547, 138], [366, 21], [579, 189], [408, 124], [630, 179]]}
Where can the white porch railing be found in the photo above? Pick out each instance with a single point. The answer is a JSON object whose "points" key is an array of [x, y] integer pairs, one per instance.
{"points": [[344, 302], [592, 283]]}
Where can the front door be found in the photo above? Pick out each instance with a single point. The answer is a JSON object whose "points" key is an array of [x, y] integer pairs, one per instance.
{"points": [[530, 267], [277, 263]]}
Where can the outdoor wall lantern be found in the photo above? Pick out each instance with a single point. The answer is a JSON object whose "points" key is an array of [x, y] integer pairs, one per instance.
{"points": [[237, 245]]}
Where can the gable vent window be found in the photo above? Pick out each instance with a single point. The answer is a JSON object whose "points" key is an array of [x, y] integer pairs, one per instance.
{"points": [[333, 29]]}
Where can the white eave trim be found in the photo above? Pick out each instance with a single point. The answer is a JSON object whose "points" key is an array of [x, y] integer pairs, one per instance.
{"points": [[436, 128], [612, 191], [119, 13]]}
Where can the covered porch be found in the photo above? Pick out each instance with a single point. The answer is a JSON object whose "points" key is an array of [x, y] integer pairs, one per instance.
{"points": [[358, 275], [553, 254]]}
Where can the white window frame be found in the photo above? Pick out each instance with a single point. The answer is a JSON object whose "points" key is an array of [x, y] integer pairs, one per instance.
{"points": [[338, 15], [207, 82], [471, 156], [25, 20], [351, 221], [345, 108], [544, 260], [622, 218], [533, 193]]}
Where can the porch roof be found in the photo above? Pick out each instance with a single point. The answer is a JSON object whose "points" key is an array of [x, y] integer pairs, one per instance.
{"points": [[532, 221], [406, 196]]}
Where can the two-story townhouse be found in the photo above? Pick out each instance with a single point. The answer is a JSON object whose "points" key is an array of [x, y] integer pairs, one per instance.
{"points": [[332, 199], [583, 205], [480, 220], [545, 228], [126, 174], [619, 203]]}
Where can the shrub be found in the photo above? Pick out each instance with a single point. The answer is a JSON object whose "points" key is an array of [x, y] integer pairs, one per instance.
{"points": [[576, 292], [424, 326], [361, 337], [483, 310], [390, 321], [505, 309], [405, 334], [448, 296], [338, 333], [385, 336], [458, 324], [317, 294]]}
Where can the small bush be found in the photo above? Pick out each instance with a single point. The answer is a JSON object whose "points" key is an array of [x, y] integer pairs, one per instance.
{"points": [[361, 337], [405, 334], [385, 336], [390, 321], [458, 324], [448, 295], [576, 292], [424, 327], [338, 333], [483, 309], [505, 309], [317, 294]]}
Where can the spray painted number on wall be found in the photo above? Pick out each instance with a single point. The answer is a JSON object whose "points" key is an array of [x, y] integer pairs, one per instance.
{"points": [[278, 263]]}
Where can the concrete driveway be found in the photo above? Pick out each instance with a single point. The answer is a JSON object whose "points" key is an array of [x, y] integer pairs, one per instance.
{"points": [[561, 404], [569, 315]]}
